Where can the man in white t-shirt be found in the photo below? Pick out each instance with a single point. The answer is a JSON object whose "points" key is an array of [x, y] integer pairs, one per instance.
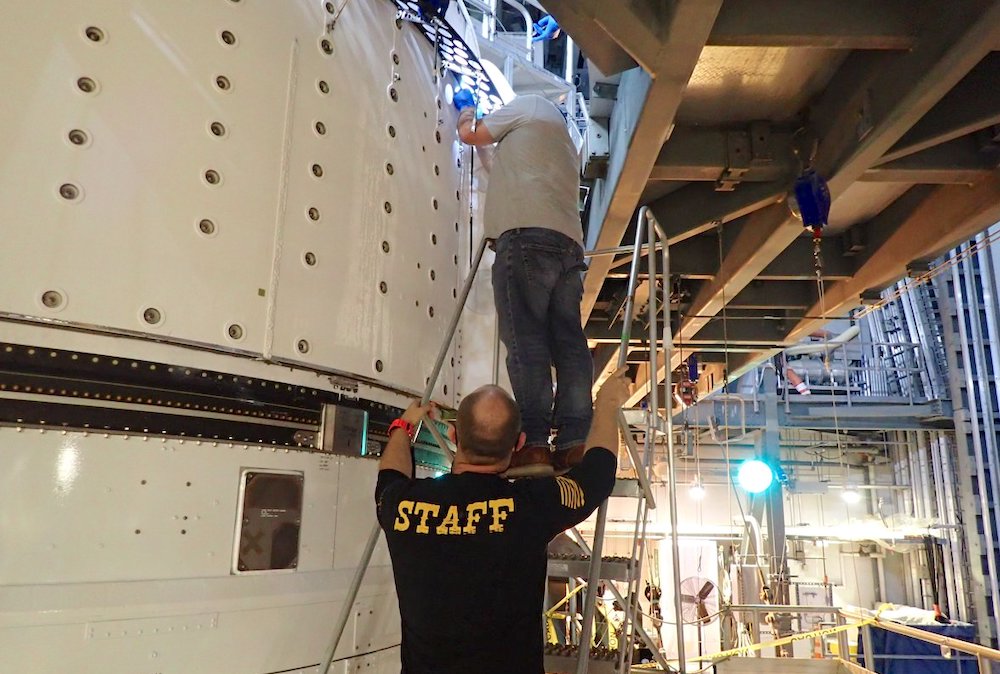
{"points": [[531, 214]]}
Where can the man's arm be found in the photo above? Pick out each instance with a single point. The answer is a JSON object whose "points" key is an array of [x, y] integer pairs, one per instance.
{"points": [[604, 425], [398, 454], [470, 132]]}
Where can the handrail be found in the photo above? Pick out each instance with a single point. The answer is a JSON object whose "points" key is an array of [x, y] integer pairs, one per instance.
{"points": [[366, 555], [936, 639]]}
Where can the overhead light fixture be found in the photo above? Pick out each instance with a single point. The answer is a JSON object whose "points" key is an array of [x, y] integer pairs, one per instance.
{"points": [[755, 476], [697, 490], [851, 495]]}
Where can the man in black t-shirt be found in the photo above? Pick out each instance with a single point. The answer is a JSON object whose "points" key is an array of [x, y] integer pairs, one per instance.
{"points": [[468, 549]]}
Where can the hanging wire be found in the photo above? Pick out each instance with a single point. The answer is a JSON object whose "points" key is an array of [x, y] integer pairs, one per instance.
{"points": [[725, 386], [821, 289]]}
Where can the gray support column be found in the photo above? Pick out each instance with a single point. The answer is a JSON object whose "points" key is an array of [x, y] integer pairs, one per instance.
{"points": [[771, 453]]}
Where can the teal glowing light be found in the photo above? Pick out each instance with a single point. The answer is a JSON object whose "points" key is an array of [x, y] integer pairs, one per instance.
{"points": [[755, 476]]}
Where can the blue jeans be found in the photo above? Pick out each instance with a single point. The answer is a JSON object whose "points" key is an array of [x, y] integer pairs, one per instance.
{"points": [[537, 288]]}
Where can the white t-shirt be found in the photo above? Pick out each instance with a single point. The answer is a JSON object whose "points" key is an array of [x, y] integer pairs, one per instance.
{"points": [[535, 177]]}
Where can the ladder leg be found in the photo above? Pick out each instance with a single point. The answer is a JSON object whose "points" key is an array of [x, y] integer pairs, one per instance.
{"points": [[366, 557], [352, 594], [590, 605]]}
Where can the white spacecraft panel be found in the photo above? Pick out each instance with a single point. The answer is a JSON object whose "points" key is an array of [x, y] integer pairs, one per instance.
{"points": [[124, 548], [161, 161], [377, 299]]}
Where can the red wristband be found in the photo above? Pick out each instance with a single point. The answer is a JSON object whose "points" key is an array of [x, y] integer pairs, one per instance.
{"points": [[405, 425]]}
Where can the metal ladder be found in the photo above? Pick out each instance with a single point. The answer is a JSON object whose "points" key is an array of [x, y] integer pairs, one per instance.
{"points": [[586, 659]]}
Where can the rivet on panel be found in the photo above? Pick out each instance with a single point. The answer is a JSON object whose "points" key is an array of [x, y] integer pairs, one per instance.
{"points": [[317, 170], [302, 346], [392, 131], [310, 259], [433, 275], [434, 239], [430, 311], [383, 287], [69, 191], [437, 136], [152, 315], [388, 207], [313, 213], [223, 83], [235, 331], [393, 94], [206, 227], [458, 196], [329, 8], [389, 169], [217, 129], [94, 34], [395, 58], [320, 128], [378, 366], [52, 299], [212, 177], [437, 170], [434, 204], [228, 38], [326, 46], [86, 85], [323, 86], [78, 137], [385, 246]]}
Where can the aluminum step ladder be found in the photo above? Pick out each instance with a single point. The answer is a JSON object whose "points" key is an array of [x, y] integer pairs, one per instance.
{"points": [[581, 657]]}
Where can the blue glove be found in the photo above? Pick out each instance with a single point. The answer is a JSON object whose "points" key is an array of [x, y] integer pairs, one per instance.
{"points": [[463, 98], [545, 29]]}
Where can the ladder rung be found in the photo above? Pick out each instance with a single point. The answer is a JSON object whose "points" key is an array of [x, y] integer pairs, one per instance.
{"points": [[578, 566], [563, 659]]}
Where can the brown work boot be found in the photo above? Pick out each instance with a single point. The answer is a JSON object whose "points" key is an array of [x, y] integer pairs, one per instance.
{"points": [[534, 461], [563, 460]]}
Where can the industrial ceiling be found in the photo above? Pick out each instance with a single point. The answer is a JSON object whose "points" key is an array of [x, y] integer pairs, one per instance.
{"points": [[710, 107]]}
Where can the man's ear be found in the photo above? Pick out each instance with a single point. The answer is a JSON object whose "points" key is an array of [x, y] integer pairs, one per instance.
{"points": [[520, 442]]}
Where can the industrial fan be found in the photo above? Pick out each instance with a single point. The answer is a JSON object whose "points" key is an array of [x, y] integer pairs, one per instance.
{"points": [[699, 600]]}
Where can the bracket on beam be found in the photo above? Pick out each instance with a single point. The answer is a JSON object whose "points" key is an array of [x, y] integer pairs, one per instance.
{"points": [[738, 155], [870, 297]]}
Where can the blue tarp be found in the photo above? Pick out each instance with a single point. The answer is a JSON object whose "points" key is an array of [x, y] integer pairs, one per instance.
{"points": [[920, 657]]}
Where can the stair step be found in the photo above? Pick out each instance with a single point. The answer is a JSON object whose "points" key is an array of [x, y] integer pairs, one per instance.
{"points": [[562, 660], [627, 487], [578, 566]]}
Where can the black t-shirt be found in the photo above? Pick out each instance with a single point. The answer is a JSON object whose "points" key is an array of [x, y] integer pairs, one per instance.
{"points": [[469, 557]]}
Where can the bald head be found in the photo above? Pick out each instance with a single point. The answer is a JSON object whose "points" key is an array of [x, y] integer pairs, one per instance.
{"points": [[488, 424]]}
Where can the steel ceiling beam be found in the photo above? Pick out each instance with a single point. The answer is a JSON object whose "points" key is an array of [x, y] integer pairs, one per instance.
{"points": [[699, 208], [961, 160], [830, 24], [698, 258], [972, 105], [862, 114], [616, 37], [701, 154], [967, 210], [641, 121]]}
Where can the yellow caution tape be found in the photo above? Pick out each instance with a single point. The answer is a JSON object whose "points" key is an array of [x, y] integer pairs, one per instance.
{"points": [[746, 650]]}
